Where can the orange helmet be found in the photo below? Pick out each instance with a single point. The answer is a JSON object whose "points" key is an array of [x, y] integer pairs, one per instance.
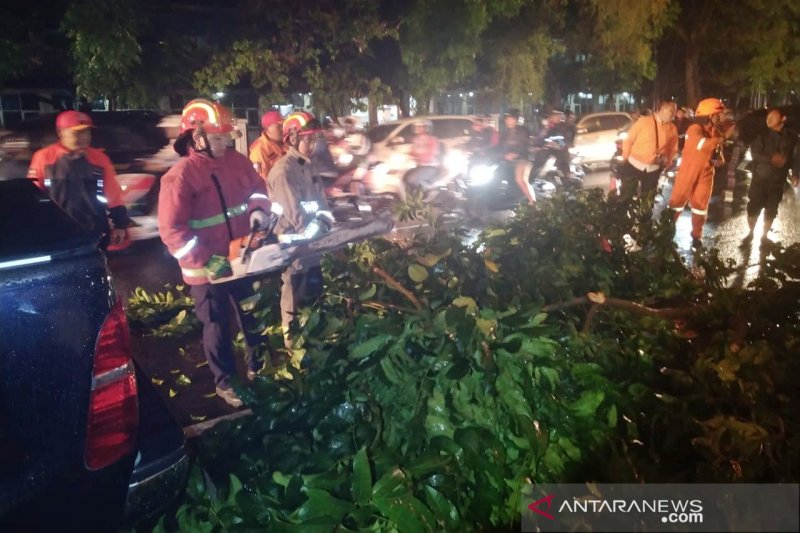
{"points": [[709, 106], [212, 116], [300, 123]]}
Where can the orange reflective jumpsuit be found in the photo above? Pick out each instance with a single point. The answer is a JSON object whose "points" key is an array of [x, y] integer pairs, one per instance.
{"points": [[695, 177], [263, 153]]}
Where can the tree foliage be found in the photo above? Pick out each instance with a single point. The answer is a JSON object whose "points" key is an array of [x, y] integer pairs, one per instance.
{"points": [[446, 375], [105, 45]]}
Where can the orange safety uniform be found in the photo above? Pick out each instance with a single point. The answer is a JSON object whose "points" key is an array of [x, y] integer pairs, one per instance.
{"points": [[695, 178], [83, 184], [263, 153]]}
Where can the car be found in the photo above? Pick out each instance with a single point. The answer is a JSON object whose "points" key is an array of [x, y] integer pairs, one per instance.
{"points": [[391, 147], [86, 443], [135, 141], [595, 136]]}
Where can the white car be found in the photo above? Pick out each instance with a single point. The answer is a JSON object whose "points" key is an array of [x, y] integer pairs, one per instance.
{"points": [[596, 135], [391, 147]]}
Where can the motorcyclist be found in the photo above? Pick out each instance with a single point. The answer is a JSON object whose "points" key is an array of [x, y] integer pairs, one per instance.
{"points": [[552, 139], [265, 150], [426, 153], [209, 198], [295, 185], [81, 179], [514, 147]]}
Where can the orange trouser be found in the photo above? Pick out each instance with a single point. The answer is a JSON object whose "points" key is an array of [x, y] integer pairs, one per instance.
{"points": [[696, 191]]}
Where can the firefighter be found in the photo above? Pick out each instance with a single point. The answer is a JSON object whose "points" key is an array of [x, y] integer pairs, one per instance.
{"points": [[81, 179], [702, 153], [211, 197], [268, 148], [294, 184]]}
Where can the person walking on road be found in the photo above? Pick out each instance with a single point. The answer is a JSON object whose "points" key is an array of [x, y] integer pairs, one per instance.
{"points": [[81, 179], [211, 197], [774, 152], [296, 187], [268, 148], [701, 155], [649, 148]]}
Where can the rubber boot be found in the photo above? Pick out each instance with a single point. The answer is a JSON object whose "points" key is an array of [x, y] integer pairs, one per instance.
{"points": [[698, 221]]}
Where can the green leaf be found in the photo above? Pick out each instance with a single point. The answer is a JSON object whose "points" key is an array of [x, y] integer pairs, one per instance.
{"points": [[587, 404], [235, 488], [172, 393], [198, 418], [183, 380], [369, 347], [369, 293], [612, 416], [400, 511], [362, 478], [322, 503], [157, 381], [390, 484], [417, 273], [442, 507]]}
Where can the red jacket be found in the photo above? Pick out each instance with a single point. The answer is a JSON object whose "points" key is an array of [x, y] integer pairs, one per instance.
{"points": [[190, 214], [84, 185]]}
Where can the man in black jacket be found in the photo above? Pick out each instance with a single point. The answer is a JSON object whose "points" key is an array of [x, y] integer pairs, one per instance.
{"points": [[774, 152]]}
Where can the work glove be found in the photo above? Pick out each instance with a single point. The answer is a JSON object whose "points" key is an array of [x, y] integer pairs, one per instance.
{"points": [[218, 267], [325, 220], [260, 220]]}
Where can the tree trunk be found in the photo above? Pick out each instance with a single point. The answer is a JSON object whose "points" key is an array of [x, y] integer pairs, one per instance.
{"points": [[693, 90], [372, 112]]}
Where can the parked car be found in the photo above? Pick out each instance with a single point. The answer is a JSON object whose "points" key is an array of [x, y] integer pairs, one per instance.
{"points": [[595, 136], [132, 139], [391, 147], [86, 443]]}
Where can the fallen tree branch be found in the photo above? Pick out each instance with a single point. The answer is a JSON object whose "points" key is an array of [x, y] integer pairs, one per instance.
{"points": [[396, 285], [599, 299]]}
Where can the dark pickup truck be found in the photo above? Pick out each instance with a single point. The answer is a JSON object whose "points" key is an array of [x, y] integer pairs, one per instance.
{"points": [[85, 442]]}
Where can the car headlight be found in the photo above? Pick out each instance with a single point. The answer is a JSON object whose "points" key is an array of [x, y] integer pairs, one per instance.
{"points": [[481, 174]]}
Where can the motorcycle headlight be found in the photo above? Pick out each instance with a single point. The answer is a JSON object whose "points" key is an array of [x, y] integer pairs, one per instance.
{"points": [[345, 159], [455, 162], [481, 174]]}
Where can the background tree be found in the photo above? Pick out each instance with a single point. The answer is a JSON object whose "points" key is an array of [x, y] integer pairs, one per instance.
{"points": [[302, 46], [105, 46]]}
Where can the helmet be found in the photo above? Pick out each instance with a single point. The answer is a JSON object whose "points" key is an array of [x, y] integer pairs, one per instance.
{"points": [[212, 116], [300, 123], [271, 117], [709, 106]]}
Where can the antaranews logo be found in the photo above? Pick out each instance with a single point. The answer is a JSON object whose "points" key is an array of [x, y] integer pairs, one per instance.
{"points": [[535, 506]]}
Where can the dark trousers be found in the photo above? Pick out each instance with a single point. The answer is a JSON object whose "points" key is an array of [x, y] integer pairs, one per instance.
{"points": [[765, 193], [632, 177], [212, 303]]}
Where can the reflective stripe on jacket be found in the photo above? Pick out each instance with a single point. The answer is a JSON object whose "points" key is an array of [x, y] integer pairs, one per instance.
{"points": [[205, 203]]}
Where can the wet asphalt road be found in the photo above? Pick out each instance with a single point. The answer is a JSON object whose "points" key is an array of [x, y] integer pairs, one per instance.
{"points": [[147, 264]]}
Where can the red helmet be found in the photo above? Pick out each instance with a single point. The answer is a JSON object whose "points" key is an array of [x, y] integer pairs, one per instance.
{"points": [[270, 118], [212, 116], [300, 122]]}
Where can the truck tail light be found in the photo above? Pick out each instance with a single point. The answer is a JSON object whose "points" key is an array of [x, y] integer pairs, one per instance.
{"points": [[114, 406]]}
